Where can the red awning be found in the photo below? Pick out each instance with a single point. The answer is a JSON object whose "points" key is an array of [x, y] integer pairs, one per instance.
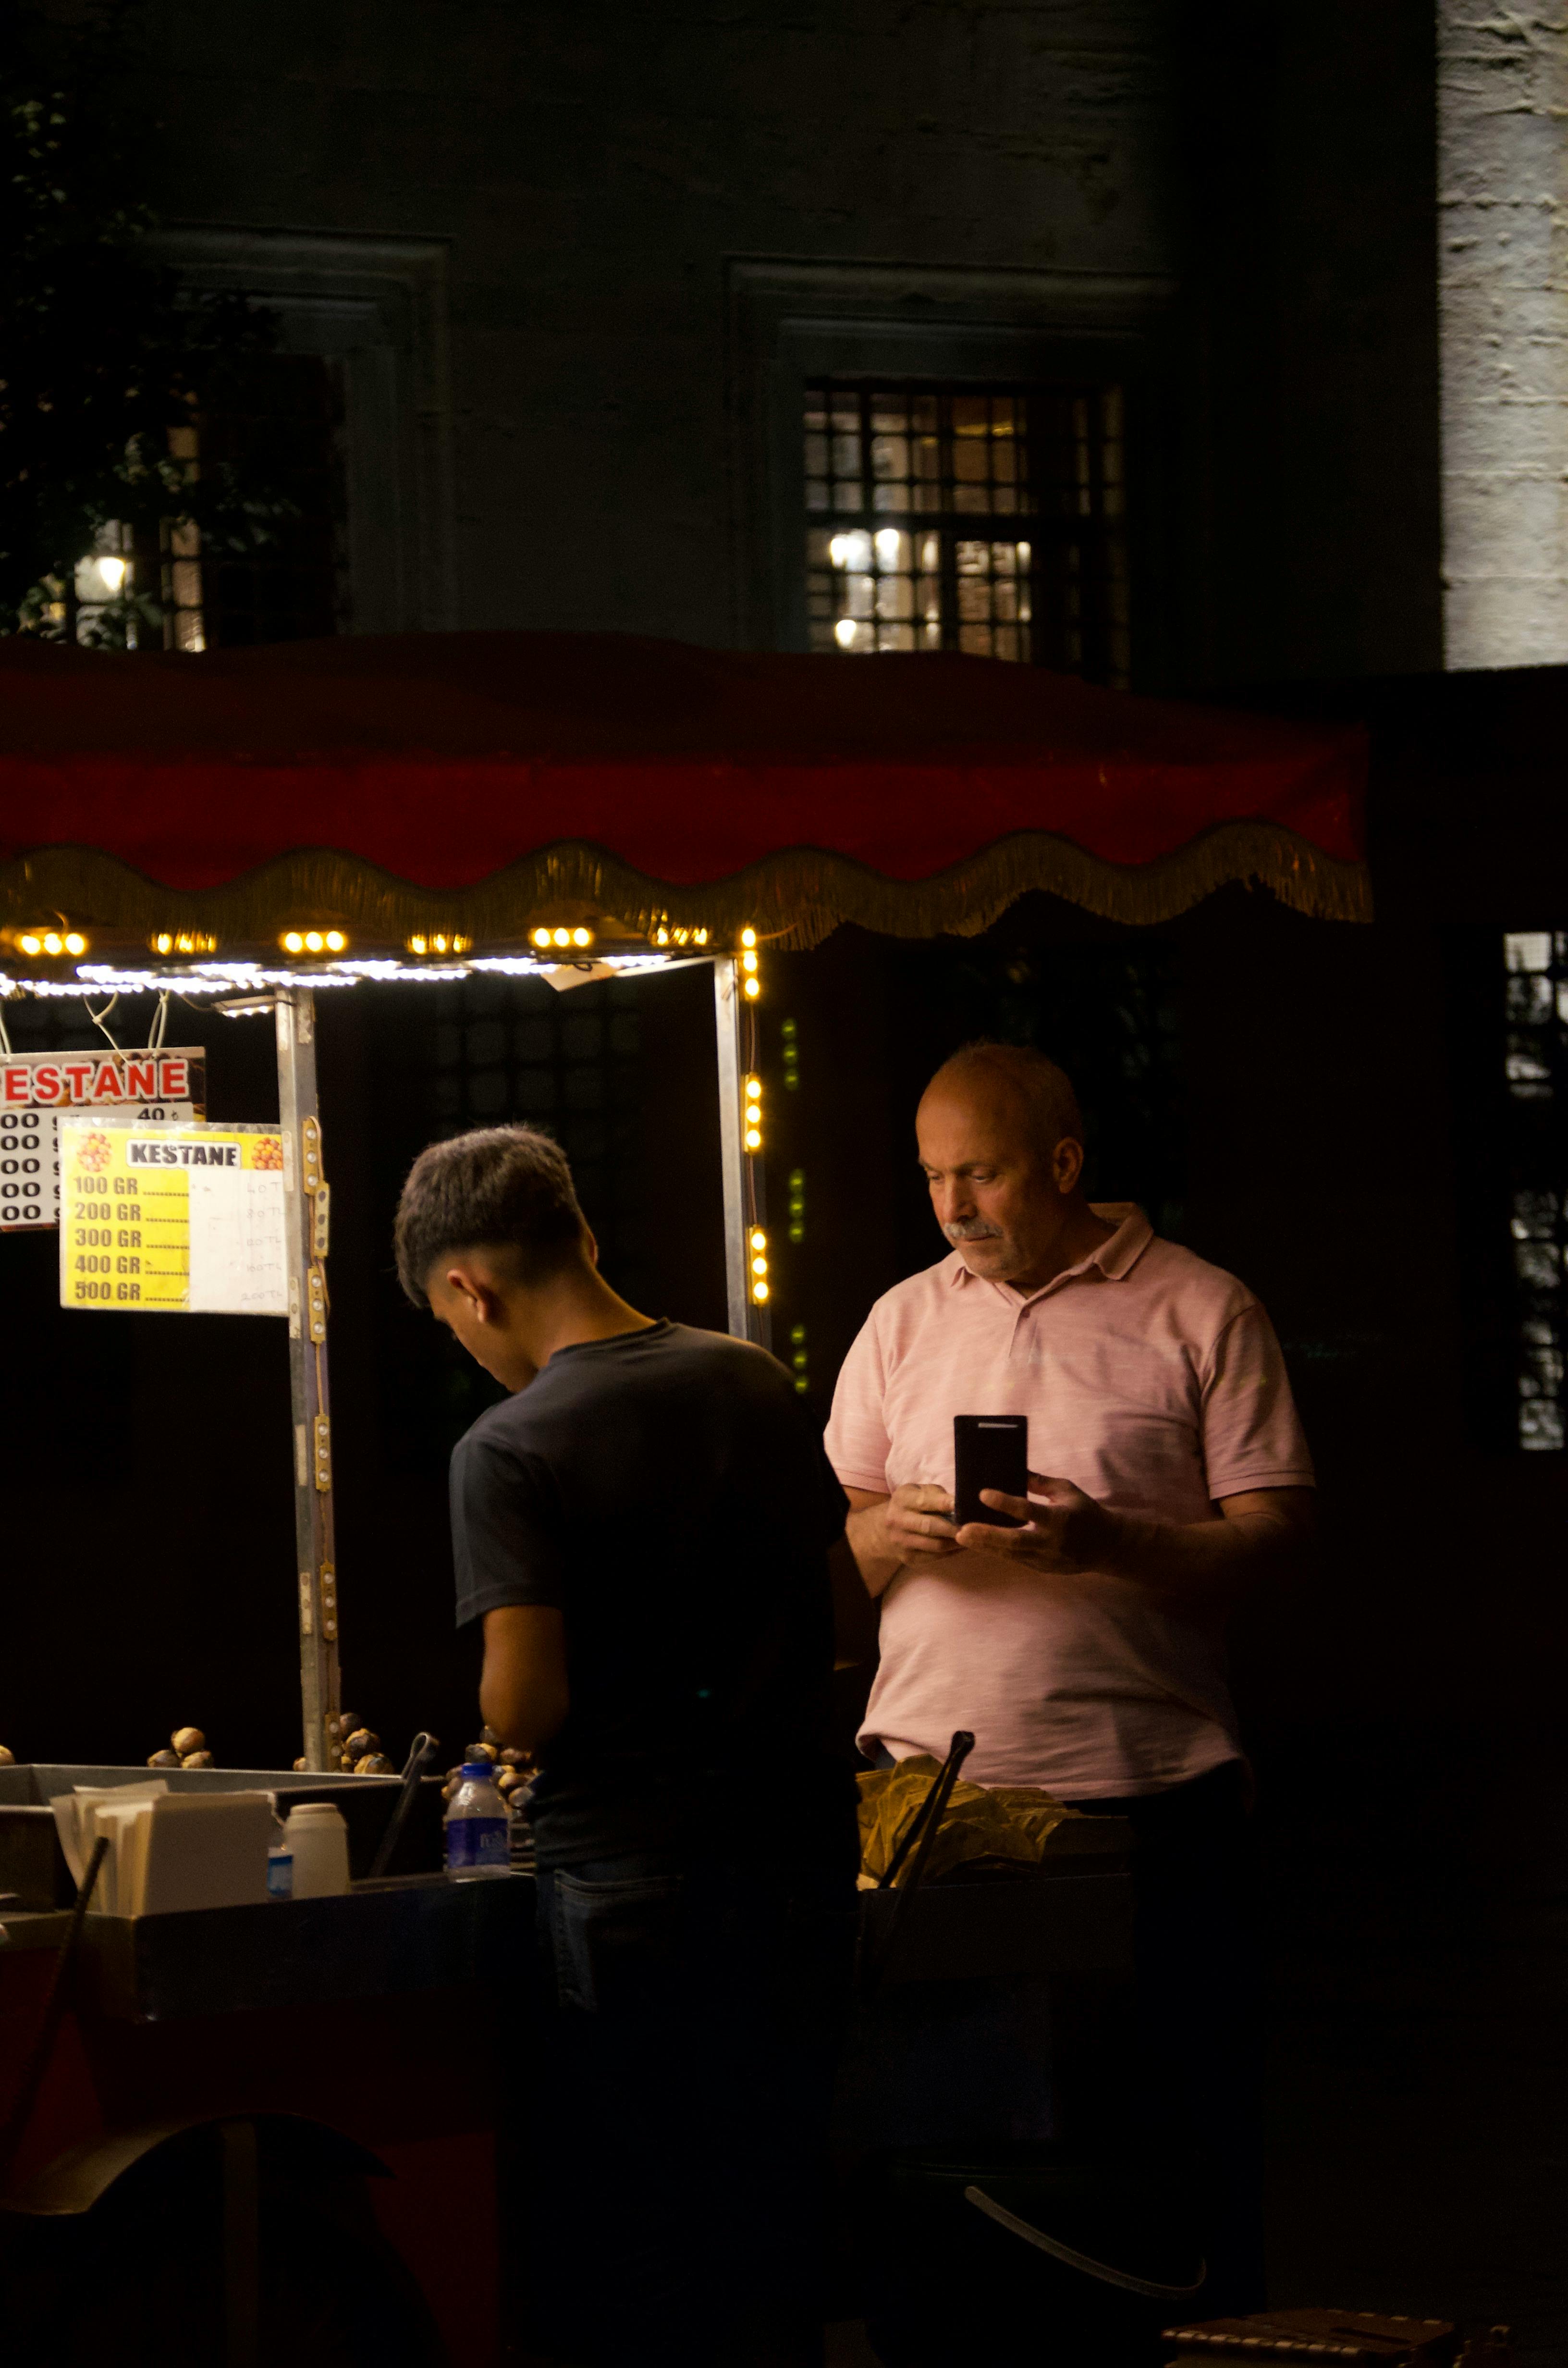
{"points": [[483, 777]]}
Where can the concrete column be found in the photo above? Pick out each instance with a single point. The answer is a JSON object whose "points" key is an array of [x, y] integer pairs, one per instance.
{"points": [[1503, 281]]}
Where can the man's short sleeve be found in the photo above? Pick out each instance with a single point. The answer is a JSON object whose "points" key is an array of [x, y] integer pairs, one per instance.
{"points": [[856, 1439], [506, 1539], [1252, 1435], [834, 1503]]}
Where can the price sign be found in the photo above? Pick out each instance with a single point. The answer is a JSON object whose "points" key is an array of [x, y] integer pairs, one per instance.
{"points": [[188, 1218], [36, 1088]]}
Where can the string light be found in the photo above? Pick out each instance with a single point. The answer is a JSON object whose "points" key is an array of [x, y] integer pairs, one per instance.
{"points": [[438, 942], [796, 1204], [750, 983], [51, 942], [563, 938], [183, 942], [751, 1117], [758, 1242], [312, 941]]}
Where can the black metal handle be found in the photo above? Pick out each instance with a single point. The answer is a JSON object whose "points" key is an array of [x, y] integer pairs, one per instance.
{"points": [[924, 1823], [421, 1752]]}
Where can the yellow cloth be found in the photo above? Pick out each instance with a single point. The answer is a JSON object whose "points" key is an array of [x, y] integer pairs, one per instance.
{"points": [[984, 1829]]}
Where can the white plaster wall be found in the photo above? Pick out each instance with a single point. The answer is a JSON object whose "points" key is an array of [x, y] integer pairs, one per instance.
{"points": [[1503, 279]]}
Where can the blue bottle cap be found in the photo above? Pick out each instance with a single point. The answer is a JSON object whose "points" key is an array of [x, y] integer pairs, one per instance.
{"points": [[475, 1768]]}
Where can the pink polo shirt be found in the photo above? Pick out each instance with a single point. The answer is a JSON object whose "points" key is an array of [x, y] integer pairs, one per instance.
{"points": [[1152, 1381]]}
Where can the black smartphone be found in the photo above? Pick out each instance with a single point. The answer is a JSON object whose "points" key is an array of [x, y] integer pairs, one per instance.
{"points": [[990, 1451]]}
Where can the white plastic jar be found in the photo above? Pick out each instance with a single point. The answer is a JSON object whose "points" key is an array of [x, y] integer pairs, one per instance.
{"points": [[318, 1838]]}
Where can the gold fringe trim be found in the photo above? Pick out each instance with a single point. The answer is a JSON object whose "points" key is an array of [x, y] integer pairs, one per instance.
{"points": [[794, 899]]}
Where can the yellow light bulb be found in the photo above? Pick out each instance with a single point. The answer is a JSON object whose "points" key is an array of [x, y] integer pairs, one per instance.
{"points": [[581, 937], [315, 941], [759, 1292], [748, 937], [700, 936], [759, 1265], [293, 943], [748, 964], [416, 945], [759, 1239], [54, 943], [752, 989], [562, 937], [541, 937], [661, 936], [754, 1140], [31, 945], [335, 941], [163, 943], [75, 943], [753, 1089]]}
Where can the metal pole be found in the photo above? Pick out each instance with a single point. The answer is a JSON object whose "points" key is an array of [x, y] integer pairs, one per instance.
{"points": [[305, 1202], [742, 1193]]}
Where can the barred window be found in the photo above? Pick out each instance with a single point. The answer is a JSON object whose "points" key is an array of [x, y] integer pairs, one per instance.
{"points": [[487, 1052], [166, 591], [1536, 1064], [989, 520]]}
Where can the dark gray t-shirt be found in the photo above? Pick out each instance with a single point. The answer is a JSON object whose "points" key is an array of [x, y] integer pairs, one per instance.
{"points": [[666, 1491]]}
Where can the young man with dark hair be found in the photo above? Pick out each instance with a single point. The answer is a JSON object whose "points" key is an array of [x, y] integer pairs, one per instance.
{"points": [[643, 1526]]}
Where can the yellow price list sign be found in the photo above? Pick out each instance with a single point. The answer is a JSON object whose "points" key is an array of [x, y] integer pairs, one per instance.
{"points": [[188, 1218]]}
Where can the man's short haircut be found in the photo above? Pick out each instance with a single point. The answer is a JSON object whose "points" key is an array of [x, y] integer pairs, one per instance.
{"points": [[1045, 1090], [500, 1187]]}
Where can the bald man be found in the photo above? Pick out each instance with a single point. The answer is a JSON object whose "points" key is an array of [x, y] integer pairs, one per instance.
{"points": [[1085, 1649]]}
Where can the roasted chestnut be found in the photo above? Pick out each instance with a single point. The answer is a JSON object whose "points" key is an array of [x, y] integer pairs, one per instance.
{"points": [[187, 1739]]}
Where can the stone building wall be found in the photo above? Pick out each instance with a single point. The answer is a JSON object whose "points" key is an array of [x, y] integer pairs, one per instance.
{"points": [[575, 206], [1504, 100]]}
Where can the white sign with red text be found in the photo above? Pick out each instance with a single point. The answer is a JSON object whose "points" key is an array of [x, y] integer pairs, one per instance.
{"points": [[164, 1084]]}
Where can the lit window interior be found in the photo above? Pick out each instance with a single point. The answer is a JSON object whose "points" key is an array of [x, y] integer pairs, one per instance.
{"points": [[906, 491]]}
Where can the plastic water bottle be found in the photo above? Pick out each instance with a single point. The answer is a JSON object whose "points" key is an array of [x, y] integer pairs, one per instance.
{"points": [[476, 1825], [280, 1862]]}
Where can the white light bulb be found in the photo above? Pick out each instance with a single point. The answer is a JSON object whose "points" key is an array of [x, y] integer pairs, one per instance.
{"points": [[887, 545], [113, 573], [843, 632]]}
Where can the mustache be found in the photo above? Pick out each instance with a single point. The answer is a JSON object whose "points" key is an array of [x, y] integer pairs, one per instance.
{"points": [[972, 1229]]}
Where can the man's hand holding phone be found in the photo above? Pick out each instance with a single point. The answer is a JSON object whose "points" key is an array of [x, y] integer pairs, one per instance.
{"points": [[917, 1521], [1061, 1528]]}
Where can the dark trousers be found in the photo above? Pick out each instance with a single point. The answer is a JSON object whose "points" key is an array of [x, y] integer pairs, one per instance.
{"points": [[1199, 2011], [682, 2111]]}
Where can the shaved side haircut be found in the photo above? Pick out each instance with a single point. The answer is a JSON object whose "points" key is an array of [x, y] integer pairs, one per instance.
{"points": [[502, 1188], [1044, 1090]]}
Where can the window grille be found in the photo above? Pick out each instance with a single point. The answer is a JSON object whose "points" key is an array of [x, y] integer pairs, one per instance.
{"points": [[1536, 1066], [989, 520], [290, 585], [487, 1052]]}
